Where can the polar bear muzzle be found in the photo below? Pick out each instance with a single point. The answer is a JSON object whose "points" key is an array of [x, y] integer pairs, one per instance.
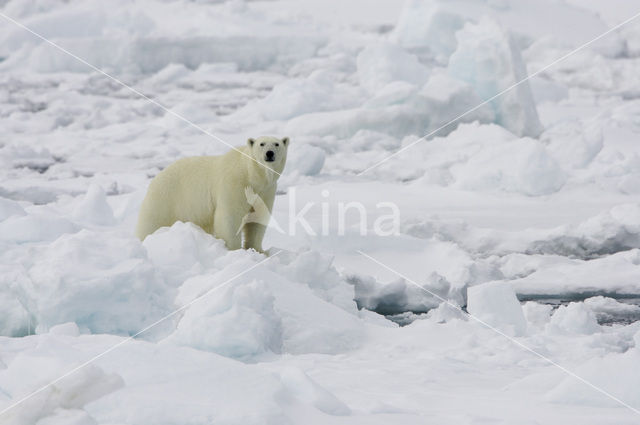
{"points": [[269, 150]]}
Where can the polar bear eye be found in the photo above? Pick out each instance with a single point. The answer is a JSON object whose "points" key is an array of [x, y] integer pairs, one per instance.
{"points": [[261, 144], [277, 144]]}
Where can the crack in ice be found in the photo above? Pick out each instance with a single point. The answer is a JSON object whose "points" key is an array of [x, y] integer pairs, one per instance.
{"points": [[515, 341]]}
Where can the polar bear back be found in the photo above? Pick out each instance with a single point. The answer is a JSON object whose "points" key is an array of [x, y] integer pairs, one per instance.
{"points": [[188, 190]]}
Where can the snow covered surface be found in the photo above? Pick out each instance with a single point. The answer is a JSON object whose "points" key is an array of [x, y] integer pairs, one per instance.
{"points": [[531, 197]]}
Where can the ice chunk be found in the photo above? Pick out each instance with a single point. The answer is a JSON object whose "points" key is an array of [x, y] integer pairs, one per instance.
{"points": [[316, 305], [523, 166], [620, 271], [608, 305], [299, 306], [400, 296], [94, 208], [489, 60], [182, 250], [379, 65], [318, 92], [394, 93], [312, 325], [478, 158], [573, 143], [609, 232], [376, 319], [365, 140], [545, 90], [450, 98], [236, 321], [609, 310], [70, 329], [537, 315], [619, 227], [35, 227], [102, 283], [399, 109], [343, 124], [575, 318], [446, 312], [426, 25], [15, 318], [263, 312], [495, 303], [169, 74], [317, 272]]}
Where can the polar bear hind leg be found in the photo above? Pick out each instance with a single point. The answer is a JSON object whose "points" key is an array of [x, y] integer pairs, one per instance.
{"points": [[151, 218], [225, 227]]}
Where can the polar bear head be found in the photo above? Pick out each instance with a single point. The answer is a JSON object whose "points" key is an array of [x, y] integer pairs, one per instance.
{"points": [[269, 151]]}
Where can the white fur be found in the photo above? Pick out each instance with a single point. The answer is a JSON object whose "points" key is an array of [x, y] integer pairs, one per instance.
{"points": [[210, 191]]}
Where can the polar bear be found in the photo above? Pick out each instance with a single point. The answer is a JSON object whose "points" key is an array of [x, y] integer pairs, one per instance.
{"points": [[217, 192]]}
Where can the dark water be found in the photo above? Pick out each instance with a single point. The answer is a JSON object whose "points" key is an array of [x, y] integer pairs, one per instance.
{"points": [[608, 318]]}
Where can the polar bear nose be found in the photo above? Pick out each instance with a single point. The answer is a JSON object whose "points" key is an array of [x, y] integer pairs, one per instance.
{"points": [[270, 154]]}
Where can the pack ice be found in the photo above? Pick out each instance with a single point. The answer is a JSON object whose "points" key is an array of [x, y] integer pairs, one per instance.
{"points": [[509, 293]]}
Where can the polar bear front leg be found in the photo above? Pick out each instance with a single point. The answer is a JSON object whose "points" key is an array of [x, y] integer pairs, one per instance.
{"points": [[255, 229], [253, 235], [225, 227]]}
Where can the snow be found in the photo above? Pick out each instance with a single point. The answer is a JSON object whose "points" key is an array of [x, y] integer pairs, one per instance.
{"points": [[495, 303], [303, 305], [94, 208], [102, 285], [9, 208], [573, 143], [428, 26], [318, 92], [584, 276], [607, 305], [35, 227], [450, 98], [380, 65], [240, 322], [523, 165], [65, 400], [537, 315], [574, 318], [489, 59], [619, 367], [522, 212], [310, 392], [308, 160]]}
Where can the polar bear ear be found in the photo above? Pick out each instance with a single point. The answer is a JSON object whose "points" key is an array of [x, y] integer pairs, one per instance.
{"points": [[285, 141], [250, 142]]}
